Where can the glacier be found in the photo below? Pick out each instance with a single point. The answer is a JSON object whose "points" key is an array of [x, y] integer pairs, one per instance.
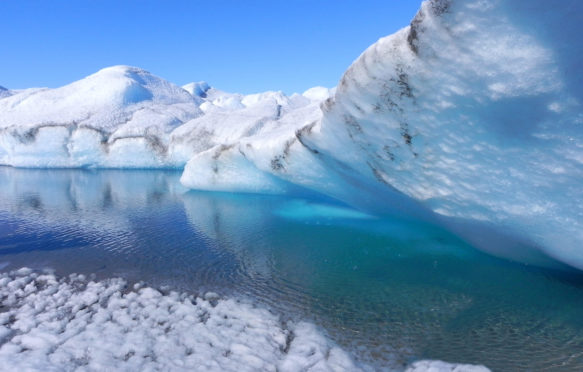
{"points": [[469, 118]]}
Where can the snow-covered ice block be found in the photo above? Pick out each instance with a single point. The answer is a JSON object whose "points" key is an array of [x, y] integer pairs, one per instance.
{"points": [[470, 117], [474, 110]]}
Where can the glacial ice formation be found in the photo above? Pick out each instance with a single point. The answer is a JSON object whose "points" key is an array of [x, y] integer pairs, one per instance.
{"points": [[125, 117], [115, 117], [470, 117], [472, 111]]}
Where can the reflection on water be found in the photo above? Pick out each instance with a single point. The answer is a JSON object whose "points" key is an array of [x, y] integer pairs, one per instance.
{"points": [[390, 290]]}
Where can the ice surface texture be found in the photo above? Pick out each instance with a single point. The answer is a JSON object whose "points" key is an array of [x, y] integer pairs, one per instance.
{"points": [[472, 111], [51, 324], [469, 117]]}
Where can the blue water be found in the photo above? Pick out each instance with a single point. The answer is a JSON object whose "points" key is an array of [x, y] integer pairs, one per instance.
{"points": [[388, 290]]}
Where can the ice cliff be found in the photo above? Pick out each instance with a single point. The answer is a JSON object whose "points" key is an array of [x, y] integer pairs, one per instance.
{"points": [[470, 117]]}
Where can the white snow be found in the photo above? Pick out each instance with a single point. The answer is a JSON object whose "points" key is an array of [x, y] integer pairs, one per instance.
{"points": [[73, 323], [54, 325], [439, 366]]}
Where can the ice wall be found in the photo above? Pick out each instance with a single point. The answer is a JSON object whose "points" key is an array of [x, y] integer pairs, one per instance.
{"points": [[474, 111], [470, 117]]}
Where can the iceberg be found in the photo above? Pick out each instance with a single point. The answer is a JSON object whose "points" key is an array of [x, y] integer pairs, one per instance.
{"points": [[470, 118]]}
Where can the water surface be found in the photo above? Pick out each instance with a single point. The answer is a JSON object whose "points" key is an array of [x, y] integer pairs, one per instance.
{"points": [[391, 291]]}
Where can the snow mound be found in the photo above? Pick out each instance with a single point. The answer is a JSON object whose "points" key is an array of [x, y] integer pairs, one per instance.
{"points": [[118, 89], [318, 93], [117, 117], [197, 89]]}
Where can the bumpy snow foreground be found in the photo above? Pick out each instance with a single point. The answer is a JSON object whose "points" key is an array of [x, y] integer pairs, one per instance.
{"points": [[48, 324], [470, 117]]}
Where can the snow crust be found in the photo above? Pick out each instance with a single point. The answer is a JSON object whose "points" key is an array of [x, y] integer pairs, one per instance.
{"points": [[439, 366], [73, 323], [55, 325]]}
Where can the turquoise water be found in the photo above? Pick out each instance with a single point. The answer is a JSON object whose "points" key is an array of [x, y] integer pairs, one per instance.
{"points": [[388, 290]]}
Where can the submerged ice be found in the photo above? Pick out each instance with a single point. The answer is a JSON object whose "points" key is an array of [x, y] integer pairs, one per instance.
{"points": [[470, 117]]}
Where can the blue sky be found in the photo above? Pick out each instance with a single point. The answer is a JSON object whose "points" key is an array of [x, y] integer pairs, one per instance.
{"points": [[240, 46]]}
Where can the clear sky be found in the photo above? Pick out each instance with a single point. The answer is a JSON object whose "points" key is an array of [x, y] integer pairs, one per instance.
{"points": [[236, 45]]}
